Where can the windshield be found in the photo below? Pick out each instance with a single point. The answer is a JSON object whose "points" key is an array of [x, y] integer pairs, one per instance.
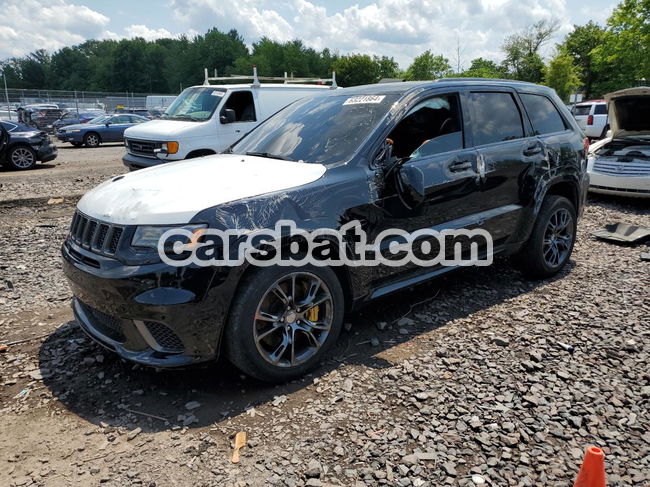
{"points": [[325, 130], [195, 104]]}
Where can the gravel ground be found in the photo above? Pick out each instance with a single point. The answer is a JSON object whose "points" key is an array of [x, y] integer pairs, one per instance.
{"points": [[463, 381]]}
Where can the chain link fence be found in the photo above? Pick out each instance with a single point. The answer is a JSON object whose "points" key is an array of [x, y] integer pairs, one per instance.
{"points": [[49, 105]]}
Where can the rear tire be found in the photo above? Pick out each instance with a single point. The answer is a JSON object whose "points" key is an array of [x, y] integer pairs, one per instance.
{"points": [[284, 321], [92, 139], [21, 158], [550, 245]]}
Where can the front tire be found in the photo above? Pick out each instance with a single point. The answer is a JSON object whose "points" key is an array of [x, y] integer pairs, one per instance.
{"points": [[91, 139], [22, 158], [284, 321], [551, 242]]}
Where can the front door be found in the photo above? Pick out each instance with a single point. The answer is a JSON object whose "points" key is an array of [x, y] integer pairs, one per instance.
{"points": [[431, 137], [247, 114]]}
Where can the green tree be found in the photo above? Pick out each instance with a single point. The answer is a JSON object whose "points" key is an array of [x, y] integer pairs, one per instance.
{"points": [[562, 74], [626, 50], [483, 68], [523, 61], [356, 69], [427, 66], [581, 43], [388, 67]]}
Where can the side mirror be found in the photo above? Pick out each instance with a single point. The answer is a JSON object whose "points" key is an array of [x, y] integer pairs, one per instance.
{"points": [[228, 116], [410, 185], [108, 123]]}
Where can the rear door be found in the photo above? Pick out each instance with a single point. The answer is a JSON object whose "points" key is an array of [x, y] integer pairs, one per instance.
{"points": [[554, 132], [507, 154], [247, 116]]}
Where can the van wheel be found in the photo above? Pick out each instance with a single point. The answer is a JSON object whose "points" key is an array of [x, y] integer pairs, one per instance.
{"points": [[284, 321], [22, 157], [551, 243], [91, 139]]}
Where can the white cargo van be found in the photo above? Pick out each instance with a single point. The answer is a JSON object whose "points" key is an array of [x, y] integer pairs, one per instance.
{"points": [[207, 119]]}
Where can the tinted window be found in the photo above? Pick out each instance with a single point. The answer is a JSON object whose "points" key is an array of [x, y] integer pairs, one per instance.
{"points": [[324, 129], [495, 118], [581, 110], [600, 110], [431, 127], [543, 114]]}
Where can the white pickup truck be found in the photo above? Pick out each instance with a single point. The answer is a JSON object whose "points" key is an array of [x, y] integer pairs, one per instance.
{"points": [[207, 119]]}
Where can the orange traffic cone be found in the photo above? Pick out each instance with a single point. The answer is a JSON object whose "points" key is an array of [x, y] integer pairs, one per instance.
{"points": [[592, 472]]}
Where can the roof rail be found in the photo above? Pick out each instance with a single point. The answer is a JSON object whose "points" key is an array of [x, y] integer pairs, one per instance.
{"points": [[256, 79]]}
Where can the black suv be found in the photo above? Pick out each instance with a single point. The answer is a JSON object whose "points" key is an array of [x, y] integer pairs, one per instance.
{"points": [[506, 157]]}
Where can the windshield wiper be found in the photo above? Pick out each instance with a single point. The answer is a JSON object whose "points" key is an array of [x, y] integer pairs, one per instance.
{"points": [[270, 156], [180, 117]]}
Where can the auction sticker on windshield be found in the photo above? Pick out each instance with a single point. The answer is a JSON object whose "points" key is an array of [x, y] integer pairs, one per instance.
{"points": [[359, 100], [217, 93]]}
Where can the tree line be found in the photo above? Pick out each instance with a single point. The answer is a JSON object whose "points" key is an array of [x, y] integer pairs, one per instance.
{"points": [[592, 58]]}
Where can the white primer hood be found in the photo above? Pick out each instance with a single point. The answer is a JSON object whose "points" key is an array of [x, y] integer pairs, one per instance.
{"points": [[173, 193]]}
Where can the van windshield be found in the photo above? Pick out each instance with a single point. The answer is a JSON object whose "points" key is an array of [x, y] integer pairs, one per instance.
{"points": [[195, 104], [322, 129]]}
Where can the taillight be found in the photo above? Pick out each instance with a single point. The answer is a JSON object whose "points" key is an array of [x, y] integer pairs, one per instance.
{"points": [[590, 120]]}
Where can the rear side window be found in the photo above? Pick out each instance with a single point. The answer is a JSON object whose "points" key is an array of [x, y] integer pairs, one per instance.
{"points": [[543, 114], [496, 118], [600, 110]]}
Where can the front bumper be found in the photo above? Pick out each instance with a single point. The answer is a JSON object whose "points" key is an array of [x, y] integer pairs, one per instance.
{"points": [[620, 185], [138, 162], [47, 152], [70, 137], [152, 314]]}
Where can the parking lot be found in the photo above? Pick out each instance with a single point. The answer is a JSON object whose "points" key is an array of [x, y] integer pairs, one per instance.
{"points": [[466, 380]]}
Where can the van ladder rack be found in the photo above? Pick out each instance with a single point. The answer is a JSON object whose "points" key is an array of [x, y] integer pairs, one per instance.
{"points": [[256, 79]]}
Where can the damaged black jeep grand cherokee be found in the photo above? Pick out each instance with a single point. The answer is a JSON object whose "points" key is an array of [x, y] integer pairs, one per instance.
{"points": [[503, 156]]}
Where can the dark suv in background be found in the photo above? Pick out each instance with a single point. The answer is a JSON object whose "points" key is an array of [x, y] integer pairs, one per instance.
{"points": [[502, 156], [26, 146]]}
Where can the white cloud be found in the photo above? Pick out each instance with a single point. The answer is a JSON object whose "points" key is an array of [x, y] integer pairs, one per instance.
{"points": [[399, 28], [145, 32], [29, 24]]}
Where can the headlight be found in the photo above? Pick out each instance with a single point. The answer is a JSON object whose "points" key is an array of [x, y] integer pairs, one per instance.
{"points": [[74, 130], [148, 236]]}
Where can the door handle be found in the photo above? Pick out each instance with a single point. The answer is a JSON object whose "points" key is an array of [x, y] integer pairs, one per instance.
{"points": [[460, 166], [533, 150]]}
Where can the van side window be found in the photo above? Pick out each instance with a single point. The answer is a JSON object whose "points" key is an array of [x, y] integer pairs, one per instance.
{"points": [[543, 114], [496, 118], [243, 104], [431, 127], [600, 110]]}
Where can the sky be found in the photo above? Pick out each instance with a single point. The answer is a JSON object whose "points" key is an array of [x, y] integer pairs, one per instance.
{"points": [[397, 28]]}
